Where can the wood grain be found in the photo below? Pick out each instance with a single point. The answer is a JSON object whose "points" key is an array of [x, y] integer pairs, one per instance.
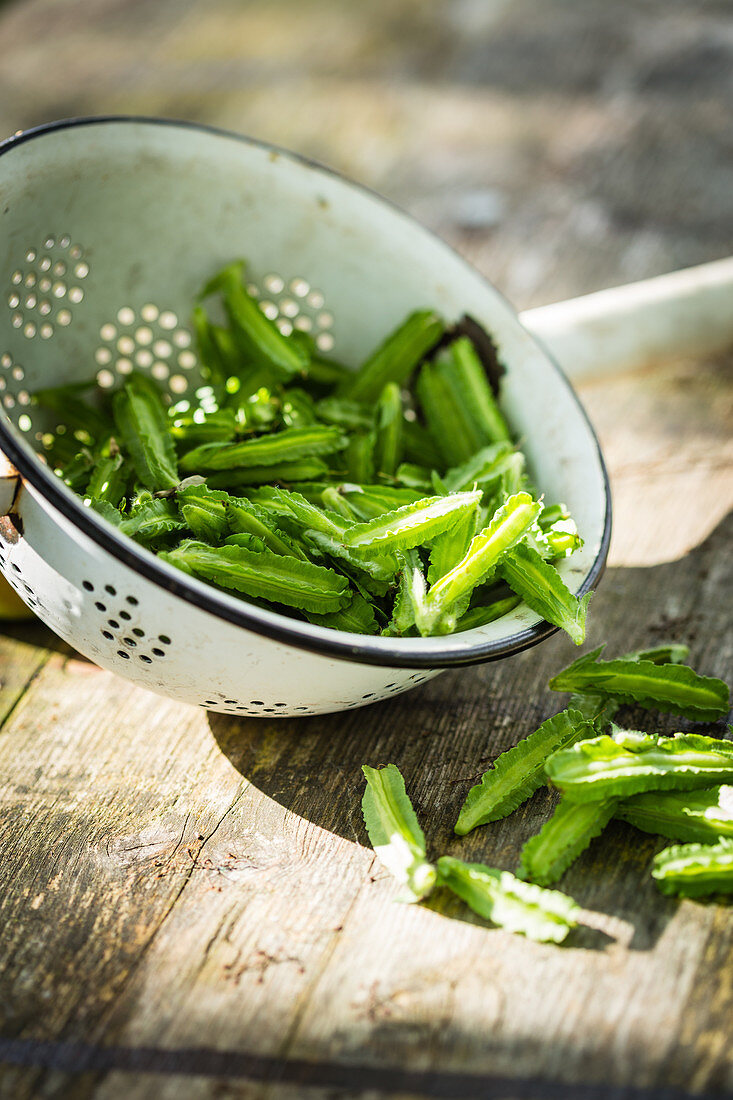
{"points": [[189, 892], [187, 905]]}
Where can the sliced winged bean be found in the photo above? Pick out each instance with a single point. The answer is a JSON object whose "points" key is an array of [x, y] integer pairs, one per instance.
{"points": [[409, 526], [144, 429], [628, 763], [669, 687], [396, 358], [695, 870], [507, 526], [543, 589], [539, 914], [461, 364], [290, 445], [269, 576], [573, 825], [388, 443]]}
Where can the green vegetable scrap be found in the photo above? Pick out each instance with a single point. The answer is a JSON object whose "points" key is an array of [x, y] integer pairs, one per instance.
{"points": [[630, 762], [695, 870], [546, 856], [669, 687], [543, 915], [400, 479], [701, 815], [394, 832]]}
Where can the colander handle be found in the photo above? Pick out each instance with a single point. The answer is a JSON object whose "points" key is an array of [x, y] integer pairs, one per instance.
{"points": [[684, 314], [9, 481]]}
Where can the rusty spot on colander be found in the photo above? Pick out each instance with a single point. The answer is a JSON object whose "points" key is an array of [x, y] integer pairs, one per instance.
{"points": [[11, 529], [10, 486]]}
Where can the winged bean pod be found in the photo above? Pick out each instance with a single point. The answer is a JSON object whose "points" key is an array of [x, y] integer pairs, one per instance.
{"points": [[274, 577], [670, 687], [505, 529], [573, 825], [681, 815], [520, 771], [543, 589], [411, 525], [289, 445], [396, 358], [462, 365], [394, 832], [539, 914], [628, 763], [695, 870], [144, 429]]}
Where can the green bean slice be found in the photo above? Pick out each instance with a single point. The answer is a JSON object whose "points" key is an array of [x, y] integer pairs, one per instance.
{"points": [[630, 762], [695, 870], [546, 856], [498, 896], [670, 687]]}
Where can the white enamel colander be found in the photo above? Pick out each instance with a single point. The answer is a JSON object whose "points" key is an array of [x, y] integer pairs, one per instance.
{"points": [[107, 229]]}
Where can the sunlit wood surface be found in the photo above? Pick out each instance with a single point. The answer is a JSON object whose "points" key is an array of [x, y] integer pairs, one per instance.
{"points": [[188, 907]]}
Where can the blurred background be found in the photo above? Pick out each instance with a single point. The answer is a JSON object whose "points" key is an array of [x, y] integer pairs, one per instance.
{"points": [[561, 145]]}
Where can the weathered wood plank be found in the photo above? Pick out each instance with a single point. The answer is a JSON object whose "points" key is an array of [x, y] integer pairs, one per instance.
{"points": [[22, 655], [667, 437], [185, 898], [176, 883]]}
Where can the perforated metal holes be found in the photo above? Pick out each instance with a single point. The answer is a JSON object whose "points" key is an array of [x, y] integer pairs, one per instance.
{"points": [[257, 707], [13, 395], [13, 574], [46, 286], [148, 339], [120, 628], [294, 305]]}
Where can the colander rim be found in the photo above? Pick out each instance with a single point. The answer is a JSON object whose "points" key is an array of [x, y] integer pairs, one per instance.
{"points": [[364, 649]]}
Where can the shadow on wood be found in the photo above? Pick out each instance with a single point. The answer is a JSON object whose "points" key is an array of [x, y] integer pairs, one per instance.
{"points": [[34, 632]]}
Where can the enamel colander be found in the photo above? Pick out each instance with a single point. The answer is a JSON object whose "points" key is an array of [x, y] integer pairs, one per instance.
{"points": [[107, 229]]}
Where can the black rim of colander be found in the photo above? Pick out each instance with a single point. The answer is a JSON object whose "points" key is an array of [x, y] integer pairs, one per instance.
{"points": [[365, 649]]}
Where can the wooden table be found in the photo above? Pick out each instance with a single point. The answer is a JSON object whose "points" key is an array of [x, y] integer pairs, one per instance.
{"points": [[187, 905], [190, 909]]}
